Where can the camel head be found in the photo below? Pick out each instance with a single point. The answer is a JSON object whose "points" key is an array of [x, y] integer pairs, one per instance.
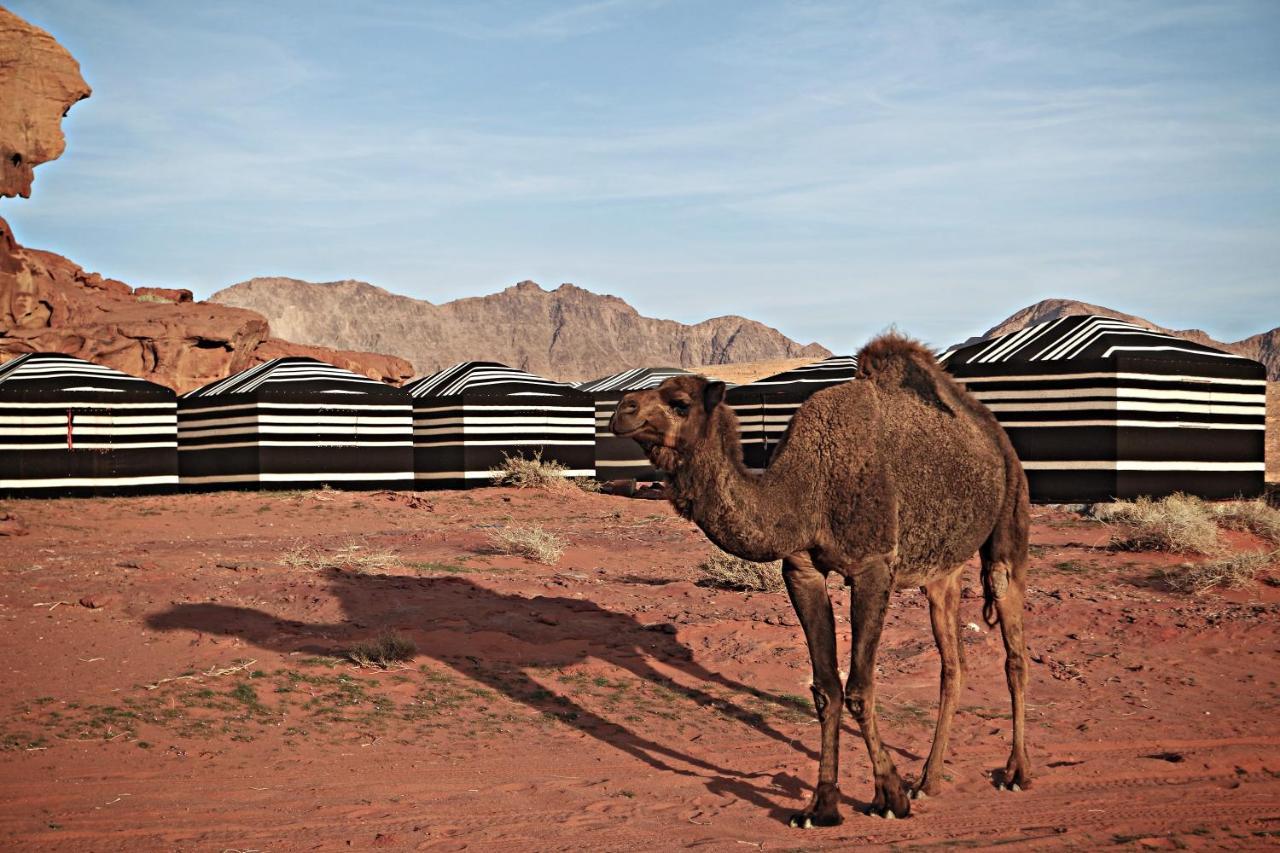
{"points": [[671, 420]]}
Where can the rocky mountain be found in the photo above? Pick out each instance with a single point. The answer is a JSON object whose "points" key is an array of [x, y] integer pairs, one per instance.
{"points": [[567, 333], [48, 303], [1263, 347]]}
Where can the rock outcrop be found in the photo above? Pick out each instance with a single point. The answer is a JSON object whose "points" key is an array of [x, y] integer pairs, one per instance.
{"points": [[39, 82], [568, 333], [155, 333], [1264, 347]]}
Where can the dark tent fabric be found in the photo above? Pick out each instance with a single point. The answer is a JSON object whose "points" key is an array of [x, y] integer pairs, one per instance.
{"points": [[765, 407], [71, 427], [295, 422], [1098, 408], [621, 458], [468, 417]]}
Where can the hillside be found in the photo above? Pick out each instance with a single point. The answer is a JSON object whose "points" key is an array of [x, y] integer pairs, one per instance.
{"points": [[568, 333]]}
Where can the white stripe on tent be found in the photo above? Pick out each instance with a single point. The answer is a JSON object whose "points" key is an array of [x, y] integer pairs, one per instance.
{"points": [[232, 445], [1146, 377], [508, 441], [288, 478], [1135, 424], [1138, 465], [1127, 406], [74, 482], [486, 475], [1117, 393]]}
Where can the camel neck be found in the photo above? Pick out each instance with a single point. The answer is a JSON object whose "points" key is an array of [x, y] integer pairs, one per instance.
{"points": [[749, 515]]}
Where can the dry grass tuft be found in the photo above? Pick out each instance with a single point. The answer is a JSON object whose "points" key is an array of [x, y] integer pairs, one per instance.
{"points": [[529, 541], [1233, 571], [1254, 517], [386, 650], [1180, 524], [350, 557], [523, 472], [726, 571]]}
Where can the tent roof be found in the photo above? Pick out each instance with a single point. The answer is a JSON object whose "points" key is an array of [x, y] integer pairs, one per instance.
{"points": [[1053, 344], [486, 377], [830, 371], [636, 379], [294, 375], [48, 372]]}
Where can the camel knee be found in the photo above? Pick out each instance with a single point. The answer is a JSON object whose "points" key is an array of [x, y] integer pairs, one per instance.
{"points": [[1015, 668], [826, 699], [859, 705]]}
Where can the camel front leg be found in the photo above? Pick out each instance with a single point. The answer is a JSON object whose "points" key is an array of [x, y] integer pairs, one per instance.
{"points": [[870, 601], [944, 615], [808, 590]]}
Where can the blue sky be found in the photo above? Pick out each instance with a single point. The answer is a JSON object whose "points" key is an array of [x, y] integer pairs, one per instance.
{"points": [[827, 168]]}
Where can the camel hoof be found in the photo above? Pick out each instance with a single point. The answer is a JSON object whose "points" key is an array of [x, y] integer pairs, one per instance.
{"points": [[1014, 787], [889, 815], [802, 820], [886, 813], [1000, 786], [919, 794]]}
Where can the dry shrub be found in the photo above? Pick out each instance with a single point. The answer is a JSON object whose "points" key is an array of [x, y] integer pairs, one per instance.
{"points": [[352, 557], [1181, 524], [384, 651], [1233, 571], [524, 472], [1254, 517], [529, 541], [726, 571]]}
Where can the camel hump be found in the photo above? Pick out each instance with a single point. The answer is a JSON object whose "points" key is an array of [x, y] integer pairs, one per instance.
{"points": [[894, 361]]}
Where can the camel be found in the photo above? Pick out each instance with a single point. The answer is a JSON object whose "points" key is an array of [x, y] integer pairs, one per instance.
{"points": [[892, 480]]}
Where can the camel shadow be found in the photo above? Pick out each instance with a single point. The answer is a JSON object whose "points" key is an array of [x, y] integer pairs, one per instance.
{"points": [[495, 639]]}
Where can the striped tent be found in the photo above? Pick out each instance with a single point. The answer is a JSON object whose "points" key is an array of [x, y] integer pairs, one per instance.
{"points": [[621, 458], [466, 418], [765, 407], [71, 427], [1098, 408], [295, 422]]}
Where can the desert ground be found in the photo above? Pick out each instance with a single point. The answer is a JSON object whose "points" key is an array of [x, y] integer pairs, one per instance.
{"points": [[176, 680]]}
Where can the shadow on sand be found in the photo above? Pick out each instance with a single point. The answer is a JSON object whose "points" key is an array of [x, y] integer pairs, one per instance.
{"points": [[519, 633]]}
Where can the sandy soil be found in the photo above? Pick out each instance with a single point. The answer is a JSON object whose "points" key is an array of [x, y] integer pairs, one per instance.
{"points": [[743, 372], [605, 703]]}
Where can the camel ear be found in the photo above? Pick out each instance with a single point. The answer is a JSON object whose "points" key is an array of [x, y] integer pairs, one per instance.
{"points": [[712, 395]]}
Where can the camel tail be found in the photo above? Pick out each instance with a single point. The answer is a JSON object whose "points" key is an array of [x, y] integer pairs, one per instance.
{"points": [[1004, 554]]}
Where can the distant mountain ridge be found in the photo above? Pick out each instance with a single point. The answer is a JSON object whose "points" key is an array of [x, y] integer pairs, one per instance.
{"points": [[568, 333], [1263, 347]]}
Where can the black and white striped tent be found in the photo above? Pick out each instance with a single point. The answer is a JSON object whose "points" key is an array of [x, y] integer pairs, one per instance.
{"points": [[71, 427], [466, 418], [765, 407], [621, 458], [1098, 408], [295, 422]]}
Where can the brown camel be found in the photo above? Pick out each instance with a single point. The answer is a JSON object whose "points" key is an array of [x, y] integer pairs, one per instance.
{"points": [[892, 480]]}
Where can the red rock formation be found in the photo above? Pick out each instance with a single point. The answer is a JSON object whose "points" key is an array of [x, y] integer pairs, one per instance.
{"points": [[39, 81], [181, 344]]}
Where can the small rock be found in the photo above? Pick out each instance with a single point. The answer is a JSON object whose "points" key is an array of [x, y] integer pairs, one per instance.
{"points": [[12, 525], [94, 602]]}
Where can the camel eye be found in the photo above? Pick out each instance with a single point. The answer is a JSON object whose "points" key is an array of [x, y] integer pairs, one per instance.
{"points": [[680, 407]]}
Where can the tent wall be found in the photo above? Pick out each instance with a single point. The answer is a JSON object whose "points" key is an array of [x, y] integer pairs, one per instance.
{"points": [[457, 440], [70, 427], [468, 418], [1150, 420], [294, 423]]}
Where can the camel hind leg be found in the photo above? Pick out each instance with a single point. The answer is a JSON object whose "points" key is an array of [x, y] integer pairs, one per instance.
{"points": [[1004, 581], [944, 615]]}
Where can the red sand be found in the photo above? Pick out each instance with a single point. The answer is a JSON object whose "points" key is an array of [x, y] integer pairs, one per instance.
{"points": [[606, 703]]}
